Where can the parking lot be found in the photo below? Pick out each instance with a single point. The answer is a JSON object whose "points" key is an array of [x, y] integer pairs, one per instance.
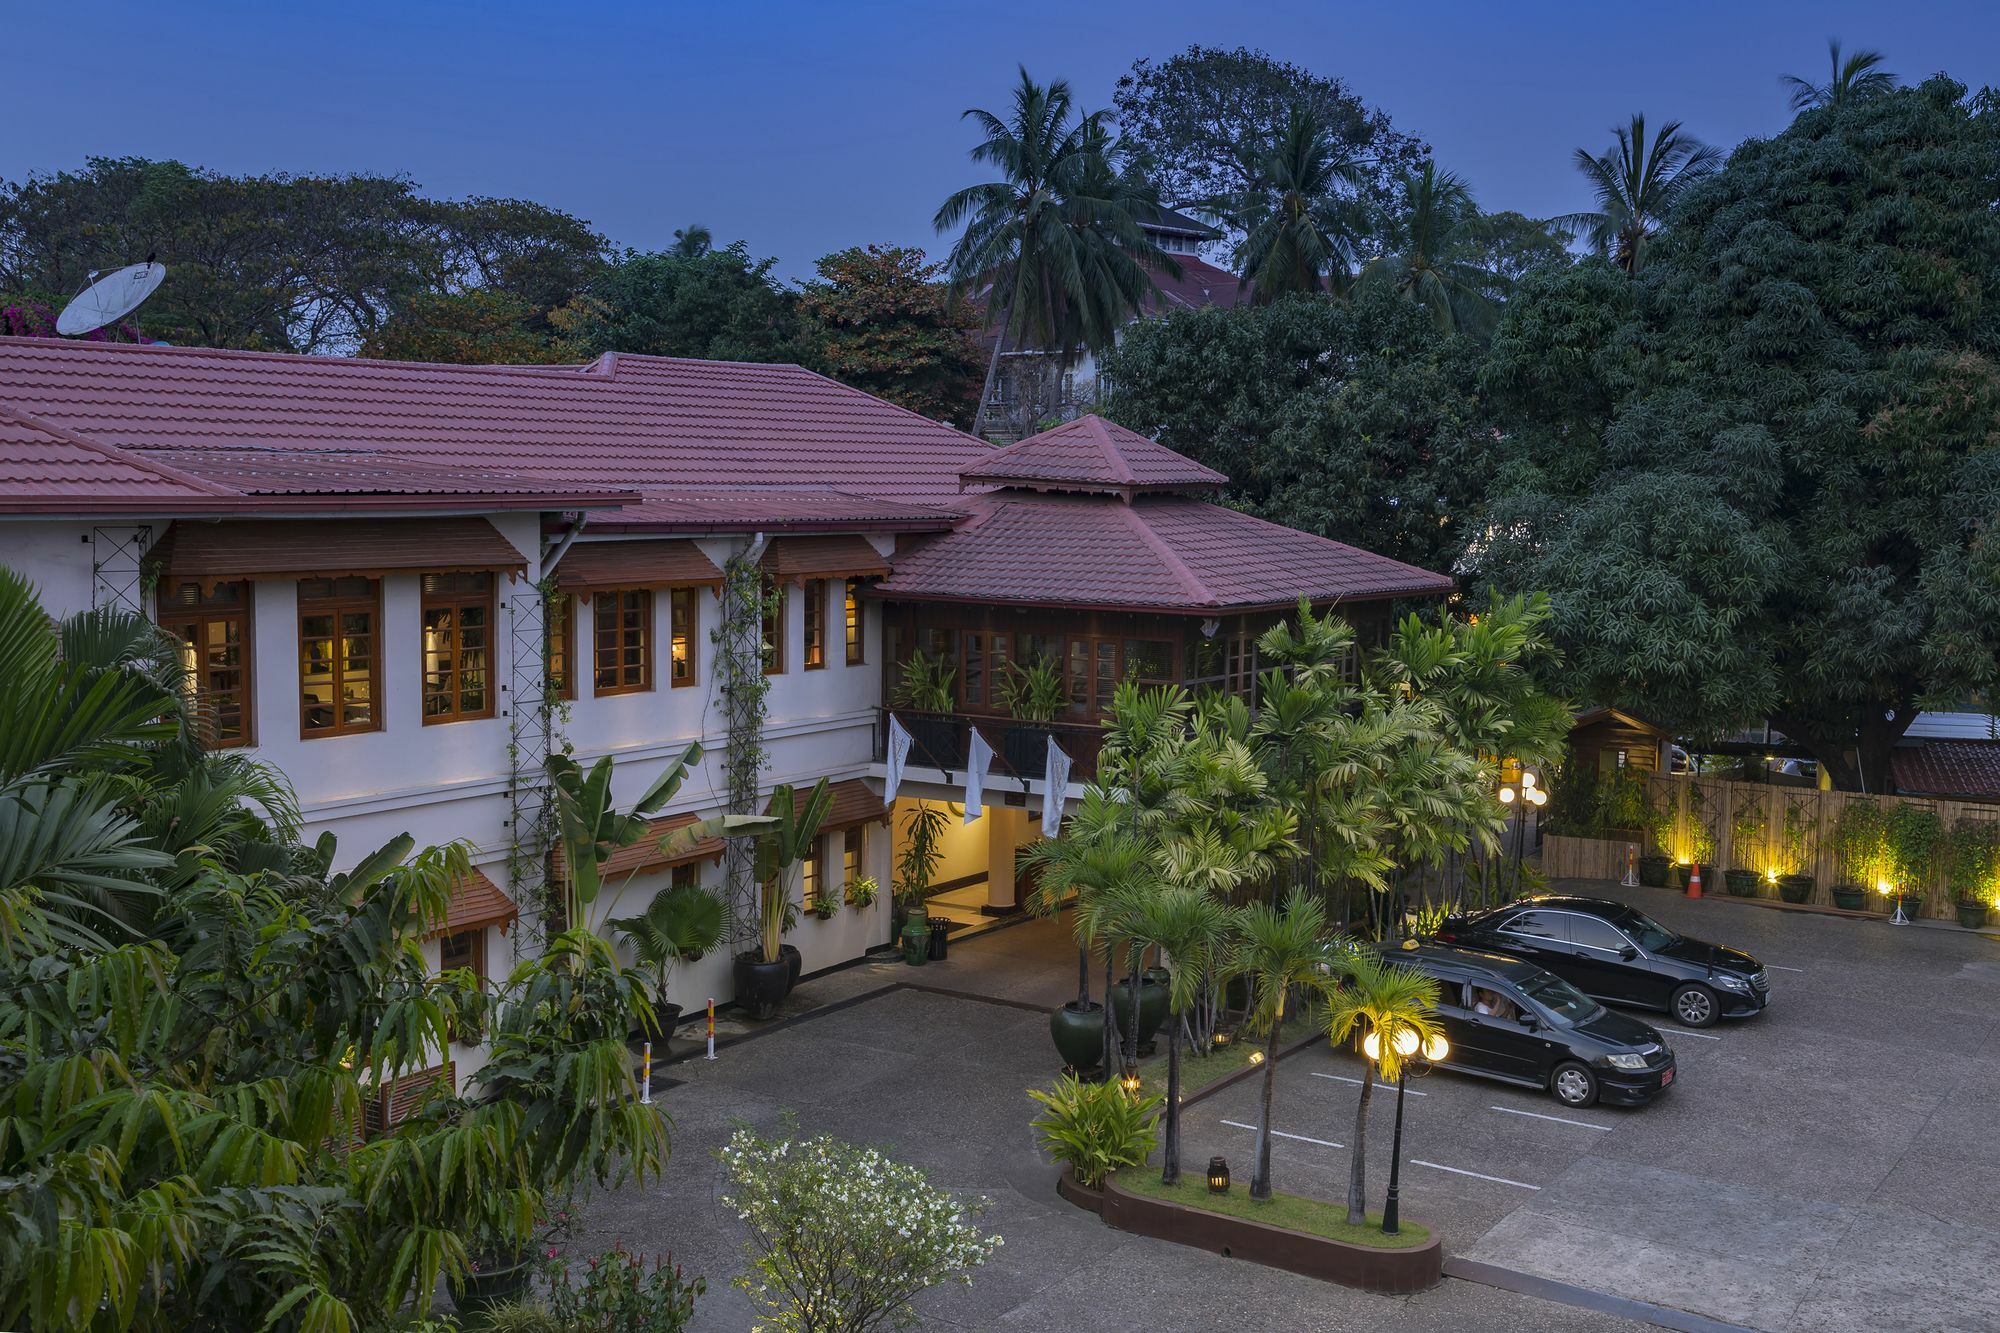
{"points": [[1823, 1166]]}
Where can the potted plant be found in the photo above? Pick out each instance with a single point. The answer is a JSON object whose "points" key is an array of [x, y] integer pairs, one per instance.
{"points": [[916, 866], [1795, 886], [926, 686], [1860, 844], [765, 975], [1657, 864], [683, 922], [825, 901], [1746, 831], [1916, 840], [1035, 696], [861, 893], [1972, 868]]}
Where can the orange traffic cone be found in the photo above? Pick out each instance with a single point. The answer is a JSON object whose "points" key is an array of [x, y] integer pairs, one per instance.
{"points": [[1694, 881]]}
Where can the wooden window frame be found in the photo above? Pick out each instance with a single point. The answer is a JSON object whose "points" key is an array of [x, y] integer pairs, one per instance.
{"points": [[853, 854], [337, 607], [772, 628], [559, 633], [854, 624], [457, 604], [476, 962], [683, 637], [814, 592], [173, 617], [685, 875], [616, 598], [812, 871]]}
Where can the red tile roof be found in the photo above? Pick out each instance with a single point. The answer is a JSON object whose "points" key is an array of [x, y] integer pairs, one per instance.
{"points": [[645, 423], [1200, 283], [44, 468], [1092, 454], [1163, 553], [1950, 768], [757, 509]]}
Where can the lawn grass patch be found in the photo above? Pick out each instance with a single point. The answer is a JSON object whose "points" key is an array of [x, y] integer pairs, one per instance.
{"points": [[1293, 1212], [1198, 1071]]}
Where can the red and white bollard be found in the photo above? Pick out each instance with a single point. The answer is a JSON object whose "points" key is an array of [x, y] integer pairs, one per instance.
{"points": [[1631, 880], [711, 1027], [646, 1076]]}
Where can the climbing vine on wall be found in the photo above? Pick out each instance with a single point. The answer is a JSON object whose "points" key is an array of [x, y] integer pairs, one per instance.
{"points": [[739, 668]]}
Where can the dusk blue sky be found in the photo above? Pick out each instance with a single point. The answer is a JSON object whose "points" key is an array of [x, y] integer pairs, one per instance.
{"points": [[806, 127]]}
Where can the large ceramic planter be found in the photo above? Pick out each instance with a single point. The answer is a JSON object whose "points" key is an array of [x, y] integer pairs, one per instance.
{"points": [[1079, 1035], [1653, 871], [1709, 883], [1795, 888], [916, 941], [665, 1018], [1152, 1008], [492, 1283], [795, 963], [1741, 883], [1849, 897], [1971, 915], [760, 986], [1911, 903]]}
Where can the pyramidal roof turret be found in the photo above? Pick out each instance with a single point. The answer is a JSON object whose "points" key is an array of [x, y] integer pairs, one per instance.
{"points": [[1092, 456]]}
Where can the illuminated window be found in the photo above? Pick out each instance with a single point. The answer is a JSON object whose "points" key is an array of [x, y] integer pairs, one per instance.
{"points": [[856, 653], [458, 647], [774, 627], [686, 614], [623, 619], [815, 620], [850, 854], [813, 871], [559, 649], [338, 655], [214, 631]]}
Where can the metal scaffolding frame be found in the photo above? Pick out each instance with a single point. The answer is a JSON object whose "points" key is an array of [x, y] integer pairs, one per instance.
{"points": [[118, 567]]}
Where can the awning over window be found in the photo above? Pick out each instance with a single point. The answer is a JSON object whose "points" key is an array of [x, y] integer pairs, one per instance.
{"points": [[853, 803], [796, 559], [679, 563], [477, 901], [293, 548]]}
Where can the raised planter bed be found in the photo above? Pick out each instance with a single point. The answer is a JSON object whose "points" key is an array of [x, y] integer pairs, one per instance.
{"points": [[1413, 1268], [1090, 1200]]}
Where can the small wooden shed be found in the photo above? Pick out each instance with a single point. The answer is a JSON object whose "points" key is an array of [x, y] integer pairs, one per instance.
{"points": [[1608, 739]]}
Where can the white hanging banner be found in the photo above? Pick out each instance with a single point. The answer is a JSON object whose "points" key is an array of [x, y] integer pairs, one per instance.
{"points": [[1055, 778], [978, 758], [899, 755]]}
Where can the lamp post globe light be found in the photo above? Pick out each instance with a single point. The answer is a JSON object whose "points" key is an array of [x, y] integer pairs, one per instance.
{"points": [[1411, 1047], [1519, 796]]}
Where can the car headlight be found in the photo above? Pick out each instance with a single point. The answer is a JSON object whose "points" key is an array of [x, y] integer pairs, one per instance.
{"points": [[1626, 1061], [1732, 983]]}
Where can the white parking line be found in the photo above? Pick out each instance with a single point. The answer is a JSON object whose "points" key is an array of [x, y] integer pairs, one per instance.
{"points": [[1386, 1087], [1456, 1171], [1280, 1134], [1689, 1032], [1780, 967], [1537, 1115]]}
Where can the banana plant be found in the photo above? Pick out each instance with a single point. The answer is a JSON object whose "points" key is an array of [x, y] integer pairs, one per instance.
{"points": [[591, 828], [785, 837]]}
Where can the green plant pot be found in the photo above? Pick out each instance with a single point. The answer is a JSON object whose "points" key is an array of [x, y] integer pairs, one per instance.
{"points": [[1079, 1035], [1152, 1008], [1911, 903], [1849, 897], [1795, 888], [1653, 871], [1971, 915], [494, 1282], [1741, 883], [916, 941], [760, 986]]}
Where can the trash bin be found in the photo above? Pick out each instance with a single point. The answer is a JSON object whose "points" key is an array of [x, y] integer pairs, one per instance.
{"points": [[916, 942], [940, 936]]}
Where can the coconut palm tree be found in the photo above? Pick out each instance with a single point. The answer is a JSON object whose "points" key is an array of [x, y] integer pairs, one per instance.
{"points": [[691, 242], [1637, 186], [1277, 950], [1190, 927], [1298, 228], [1860, 75], [1389, 1000], [1056, 240], [1431, 263]]}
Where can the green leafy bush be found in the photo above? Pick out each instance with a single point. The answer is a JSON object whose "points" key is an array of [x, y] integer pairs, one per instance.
{"points": [[926, 684], [1972, 860], [1095, 1128], [1034, 693], [618, 1292]]}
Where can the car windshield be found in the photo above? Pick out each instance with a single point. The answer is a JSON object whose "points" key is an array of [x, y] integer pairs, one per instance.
{"points": [[1649, 934], [1564, 1002]]}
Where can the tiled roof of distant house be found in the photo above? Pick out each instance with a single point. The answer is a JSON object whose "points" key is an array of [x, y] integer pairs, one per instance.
{"points": [[1948, 768], [1092, 454]]}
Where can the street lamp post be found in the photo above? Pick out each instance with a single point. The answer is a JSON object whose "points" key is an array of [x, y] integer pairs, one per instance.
{"points": [[1408, 1045], [1518, 797]]}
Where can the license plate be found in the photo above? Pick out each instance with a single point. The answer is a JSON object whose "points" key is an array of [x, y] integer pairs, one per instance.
{"points": [[1666, 1077]]}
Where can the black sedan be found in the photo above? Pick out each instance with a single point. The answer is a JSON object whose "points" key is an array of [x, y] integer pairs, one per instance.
{"points": [[1509, 1020], [1618, 954]]}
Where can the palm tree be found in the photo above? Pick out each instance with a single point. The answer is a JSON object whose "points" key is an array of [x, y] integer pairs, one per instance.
{"points": [[1277, 951], [1389, 1000], [680, 924], [1637, 186], [1056, 239], [1861, 75], [1297, 227], [691, 242], [1190, 928], [1431, 263]]}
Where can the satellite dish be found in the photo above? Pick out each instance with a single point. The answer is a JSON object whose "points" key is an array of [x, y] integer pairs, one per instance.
{"points": [[110, 298]]}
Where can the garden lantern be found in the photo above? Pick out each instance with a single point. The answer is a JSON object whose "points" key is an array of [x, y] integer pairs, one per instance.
{"points": [[1218, 1175]]}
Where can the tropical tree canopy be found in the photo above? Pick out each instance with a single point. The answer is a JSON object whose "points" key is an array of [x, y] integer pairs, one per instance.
{"points": [[1860, 75], [1434, 260], [1637, 184], [1759, 482], [884, 324], [718, 305], [1299, 226]]}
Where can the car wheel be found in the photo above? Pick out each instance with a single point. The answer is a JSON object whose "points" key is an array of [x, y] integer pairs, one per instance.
{"points": [[1696, 1007], [1573, 1085]]}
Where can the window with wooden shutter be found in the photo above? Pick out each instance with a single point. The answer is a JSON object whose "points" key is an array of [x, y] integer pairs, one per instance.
{"points": [[339, 656], [623, 618], [458, 646], [214, 633]]}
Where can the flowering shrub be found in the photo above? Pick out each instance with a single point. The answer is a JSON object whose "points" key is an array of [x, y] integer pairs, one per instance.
{"points": [[841, 1237], [618, 1292]]}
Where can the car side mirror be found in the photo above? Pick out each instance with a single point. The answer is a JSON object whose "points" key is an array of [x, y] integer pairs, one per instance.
{"points": [[1530, 1022], [1628, 953]]}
